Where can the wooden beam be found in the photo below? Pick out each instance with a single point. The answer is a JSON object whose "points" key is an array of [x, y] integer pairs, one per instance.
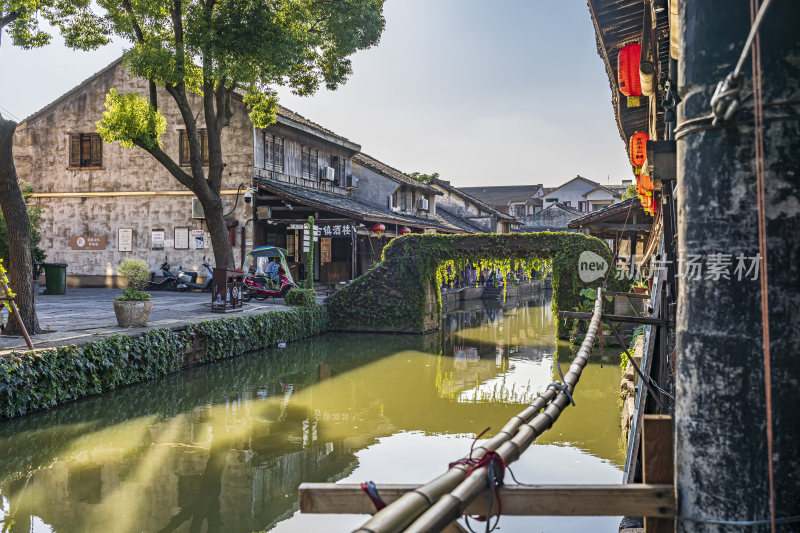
{"points": [[518, 500], [657, 464], [618, 226], [628, 294], [647, 320]]}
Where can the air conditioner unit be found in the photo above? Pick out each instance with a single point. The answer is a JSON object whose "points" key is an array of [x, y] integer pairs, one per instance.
{"points": [[351, 182], [197, 209], [422, 203], [327, 173]]}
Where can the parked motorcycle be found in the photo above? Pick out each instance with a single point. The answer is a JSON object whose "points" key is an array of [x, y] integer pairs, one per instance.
{"points": [[169, 281], [258, 284], [188, 280]]}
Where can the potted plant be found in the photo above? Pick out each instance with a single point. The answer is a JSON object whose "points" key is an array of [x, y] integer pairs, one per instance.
{"points": [[640, 286], [133, 306]]}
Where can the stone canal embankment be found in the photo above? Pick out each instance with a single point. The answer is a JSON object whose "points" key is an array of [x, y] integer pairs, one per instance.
{"points": [[81, 364]]}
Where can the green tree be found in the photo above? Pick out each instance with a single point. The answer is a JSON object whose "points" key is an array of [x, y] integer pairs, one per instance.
{"points": [[424, 178], [21, 20], [218, 49], [630, 192]]}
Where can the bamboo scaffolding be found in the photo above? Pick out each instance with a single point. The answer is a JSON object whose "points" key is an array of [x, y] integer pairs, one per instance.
{"points": [[434, 505]]}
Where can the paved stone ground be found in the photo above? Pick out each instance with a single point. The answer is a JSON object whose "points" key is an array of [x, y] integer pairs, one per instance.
{"points": [[85, 315]]}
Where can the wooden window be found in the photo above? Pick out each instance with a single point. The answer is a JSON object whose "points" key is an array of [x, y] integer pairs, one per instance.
{"points": [[403, 200], [185, 155], [305, 162], [278, 157], [315, 164], [269, 151], [519, 210], [273, 152], [85, 150], [581, 206]]}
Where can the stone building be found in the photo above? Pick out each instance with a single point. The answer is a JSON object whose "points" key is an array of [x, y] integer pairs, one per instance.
{"points": [[104, 203]]}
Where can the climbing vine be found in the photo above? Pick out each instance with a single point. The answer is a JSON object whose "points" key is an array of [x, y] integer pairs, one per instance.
{"points": [[38, 380], [401, 293]]}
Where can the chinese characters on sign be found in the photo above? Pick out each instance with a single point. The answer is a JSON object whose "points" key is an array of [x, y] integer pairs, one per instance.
{"points": [[89, 242], [157, 237], [325, 250], [197, 239], [181, 238], [696, 267], [336, 230], [125, 239]]}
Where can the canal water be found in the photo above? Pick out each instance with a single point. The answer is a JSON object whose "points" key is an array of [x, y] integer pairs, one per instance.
{"points": [[223, 448]]}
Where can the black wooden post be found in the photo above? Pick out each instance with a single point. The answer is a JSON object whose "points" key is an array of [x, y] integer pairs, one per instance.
{"points": [[721, 434]]}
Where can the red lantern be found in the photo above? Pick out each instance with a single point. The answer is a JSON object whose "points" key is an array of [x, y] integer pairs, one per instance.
{"points": [[628, 73], [637, 148], [647, 183], [378, 228], [405, 231]]}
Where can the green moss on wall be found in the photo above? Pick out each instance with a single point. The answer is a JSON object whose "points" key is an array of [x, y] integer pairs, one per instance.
{"points": [[394, 293], [38, 380]]}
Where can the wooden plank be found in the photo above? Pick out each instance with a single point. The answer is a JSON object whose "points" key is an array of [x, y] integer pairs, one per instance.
{"points": [[647, 320], [618, 226], [518, 500], [657, 463], [628, 294]]}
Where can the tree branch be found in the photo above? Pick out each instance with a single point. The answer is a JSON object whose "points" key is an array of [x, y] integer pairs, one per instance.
{"points": [[8, 19], [177, 172]]}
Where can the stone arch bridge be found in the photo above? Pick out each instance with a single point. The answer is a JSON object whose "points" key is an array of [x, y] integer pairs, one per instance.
{"points": [[400, 293]]}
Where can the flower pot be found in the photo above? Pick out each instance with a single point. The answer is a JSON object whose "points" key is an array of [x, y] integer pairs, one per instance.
{"points": [[133, 313], [640, 290]]}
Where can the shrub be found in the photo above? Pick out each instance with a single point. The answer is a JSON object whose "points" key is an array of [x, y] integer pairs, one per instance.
{"points": [[301, 297], [136, 274]]}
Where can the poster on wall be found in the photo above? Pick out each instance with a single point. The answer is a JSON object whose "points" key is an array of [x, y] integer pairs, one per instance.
{"points": [[325, 250], [125, 239], [207, 241], [197, 239], [157, 239], [181, 238], [290, 245]]}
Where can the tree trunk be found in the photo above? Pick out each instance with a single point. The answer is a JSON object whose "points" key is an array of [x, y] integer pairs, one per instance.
{"points": [[213, 209], [20, 267], [722, 468]]}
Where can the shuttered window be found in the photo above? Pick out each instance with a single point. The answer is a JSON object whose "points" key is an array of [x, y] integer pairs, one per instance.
{"points": [[273, 152], [314, 167], [185, 155], [305, 162], [85, 150], [278, 157]]}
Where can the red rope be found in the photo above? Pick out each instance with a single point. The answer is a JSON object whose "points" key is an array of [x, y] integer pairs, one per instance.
{"points": [[762, 248]]}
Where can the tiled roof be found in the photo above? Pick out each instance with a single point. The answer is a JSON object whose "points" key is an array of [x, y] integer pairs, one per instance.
{"points": [[608, 211], [478, 202], [391, 172], [503, 194], [465, 224], [299, 119], [350, 207]]}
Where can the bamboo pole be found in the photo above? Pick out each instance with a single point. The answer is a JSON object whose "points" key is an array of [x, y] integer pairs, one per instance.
{"points": [[440, 501], [15, 311]]}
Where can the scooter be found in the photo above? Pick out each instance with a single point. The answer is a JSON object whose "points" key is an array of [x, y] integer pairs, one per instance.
{"points": [[260, 287], [188, 280], [169, 281]]}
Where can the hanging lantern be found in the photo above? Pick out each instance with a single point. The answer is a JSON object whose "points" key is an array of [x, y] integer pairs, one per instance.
{"points": [[378, 228], [628, 73], [647, 183], [405, 231], [637, 149]]}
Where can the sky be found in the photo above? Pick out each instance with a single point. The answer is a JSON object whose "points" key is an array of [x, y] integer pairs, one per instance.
{"points": [[505, 92]]}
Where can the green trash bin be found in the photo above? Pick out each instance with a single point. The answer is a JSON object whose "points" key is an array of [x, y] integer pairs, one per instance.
{"points": [[55, 276]]}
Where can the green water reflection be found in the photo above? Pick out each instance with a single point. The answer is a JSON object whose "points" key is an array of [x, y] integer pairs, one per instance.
{"points": [[224, 447]]}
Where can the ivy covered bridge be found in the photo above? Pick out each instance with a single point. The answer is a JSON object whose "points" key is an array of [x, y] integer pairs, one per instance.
{"points": [[401, 293]]}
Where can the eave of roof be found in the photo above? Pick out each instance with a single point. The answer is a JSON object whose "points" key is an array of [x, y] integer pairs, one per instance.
{"points": [[392, 173], [347, 206], [606, 212], [479, 203]]}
